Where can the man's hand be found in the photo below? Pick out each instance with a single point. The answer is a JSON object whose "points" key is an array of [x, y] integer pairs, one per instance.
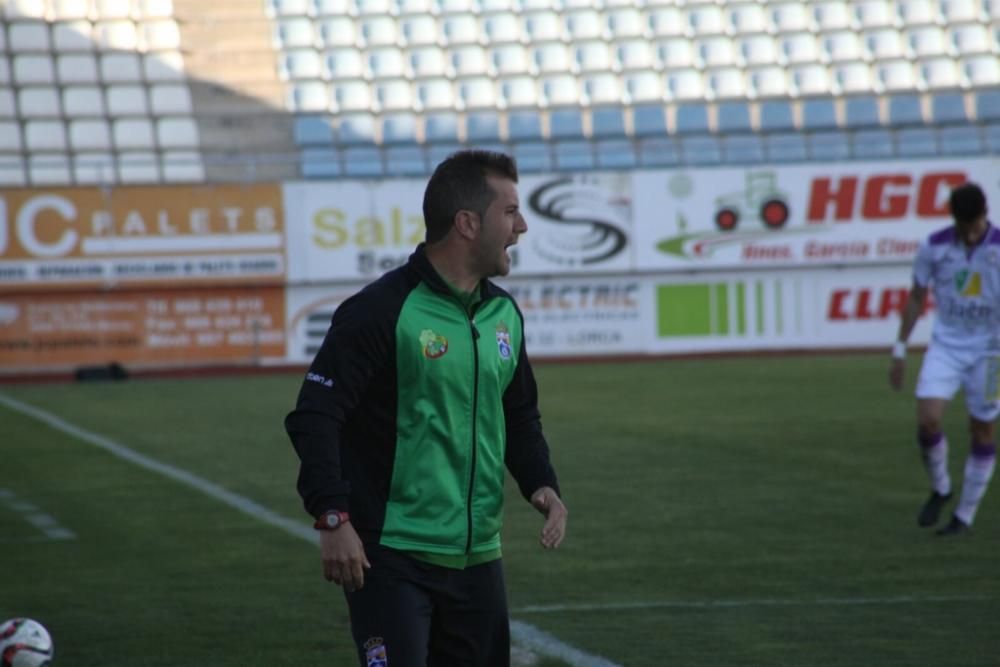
{"points": [[344, 560], [896, 369], [547, 501]]}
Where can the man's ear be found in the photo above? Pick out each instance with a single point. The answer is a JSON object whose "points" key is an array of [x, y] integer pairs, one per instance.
{"points": [[467, 224]]}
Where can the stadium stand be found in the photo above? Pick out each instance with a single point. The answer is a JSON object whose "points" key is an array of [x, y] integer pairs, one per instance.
{"points": [[244, 90]]}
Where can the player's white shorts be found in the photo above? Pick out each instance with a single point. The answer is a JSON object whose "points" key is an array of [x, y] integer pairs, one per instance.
{"points": [[977, 373]]}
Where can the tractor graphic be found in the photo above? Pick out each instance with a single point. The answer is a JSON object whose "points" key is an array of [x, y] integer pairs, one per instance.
{"points": [[761, 195]]}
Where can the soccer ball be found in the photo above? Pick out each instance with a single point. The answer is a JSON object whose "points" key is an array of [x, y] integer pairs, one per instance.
{"points": [[24, 643]]}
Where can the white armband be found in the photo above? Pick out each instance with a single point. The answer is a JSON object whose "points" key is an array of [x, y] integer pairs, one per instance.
{"points": [[899, 350]]}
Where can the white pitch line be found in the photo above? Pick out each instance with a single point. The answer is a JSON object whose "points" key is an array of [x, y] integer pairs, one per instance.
{"points": [[736, 604], [527, 635]]}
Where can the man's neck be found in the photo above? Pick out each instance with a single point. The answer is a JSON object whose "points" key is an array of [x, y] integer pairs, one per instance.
{"points": [[452, 266]]}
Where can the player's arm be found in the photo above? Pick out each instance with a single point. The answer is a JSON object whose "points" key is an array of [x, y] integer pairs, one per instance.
{"points": [[911, 313]]}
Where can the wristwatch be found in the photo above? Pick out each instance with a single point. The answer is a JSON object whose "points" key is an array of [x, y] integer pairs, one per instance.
{"points": [[331, 520]]}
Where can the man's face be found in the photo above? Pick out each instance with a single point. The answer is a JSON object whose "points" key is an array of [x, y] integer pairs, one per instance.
{"points": [[500, 227]]}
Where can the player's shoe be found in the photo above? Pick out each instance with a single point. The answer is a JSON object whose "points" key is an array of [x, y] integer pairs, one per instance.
{"points": [[955, 527], [931, 511]]}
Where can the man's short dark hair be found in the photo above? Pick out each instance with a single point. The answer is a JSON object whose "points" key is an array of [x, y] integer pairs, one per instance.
{"points": [[967, 202], [459, 184]]}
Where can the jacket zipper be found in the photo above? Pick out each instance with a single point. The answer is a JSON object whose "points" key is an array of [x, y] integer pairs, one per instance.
{"points": [[475, 411]]}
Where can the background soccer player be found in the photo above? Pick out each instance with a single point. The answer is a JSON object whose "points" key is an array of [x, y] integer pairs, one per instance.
{"points": [[961, 263]]}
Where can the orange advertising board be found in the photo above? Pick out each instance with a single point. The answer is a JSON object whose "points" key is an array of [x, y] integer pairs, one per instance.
{"points": [[142, 235], [145, 328]]}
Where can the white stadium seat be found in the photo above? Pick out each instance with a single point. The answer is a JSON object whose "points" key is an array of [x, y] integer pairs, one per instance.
{"points": [[635, 55], [593, 57], [843, 46], [602, 89], [27, 37], [374, 7], [560, 90], [643, 87], [543, 27], [928, 41], [45, 135], [501, 28], [717, 51], [93, 168], [307, 96], [885, 44], [676, 53], [167, 99], [706, 20], [875, 14], [477, 93], [436, 94], [34, 69], [133, 133], [116, 36], [149, 9], [166, 66], [379, 31], [138, 167], [748, 18], [24, 9], [758, 50], [300, 64], [39, 102], [324, 8], [72, 36], [666, 22], [7, 107], [625, 23], [981, 71], [49, 170], [112, 9], [940, 73], [769, 82], [460, 29], [69, 10], [833, 15], [469, 61], [510, 59], [288, 7], [521, 91], [351, 96], [853, 77], [126, 101], [685, 85], [419, 30], [586, 24], [343, 63], [919, 12], [961, 11], [338, 31], [83, 101], [801, 47], [811, 80], [896, 75], [428, 61], [727, 83], [791, 17], [177, 133], [4, 72], [120, 67], [294, 33], [416, 7], [386, 63], [972, 39], [394, 95], [86, 135], [10, 136], [551, 58], [161, 36], [489, 6], [446, 7]]}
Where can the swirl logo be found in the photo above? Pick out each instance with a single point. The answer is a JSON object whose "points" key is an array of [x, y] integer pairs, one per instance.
{"points": [[587, 228]]}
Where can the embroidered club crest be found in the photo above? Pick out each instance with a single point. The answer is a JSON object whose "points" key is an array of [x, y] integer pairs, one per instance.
{"points": [[503, 341], [375, 653], [434, 346]]}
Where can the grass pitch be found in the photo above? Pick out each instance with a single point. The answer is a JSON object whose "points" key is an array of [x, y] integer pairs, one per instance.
{"points": [[722, 512]]}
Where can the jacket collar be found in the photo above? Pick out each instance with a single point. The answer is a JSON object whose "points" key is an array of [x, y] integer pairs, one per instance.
{"points": [[422, 266]]}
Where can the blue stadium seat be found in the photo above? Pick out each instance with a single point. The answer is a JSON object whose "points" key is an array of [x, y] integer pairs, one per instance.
{"points": [[524, 126], [615, 154], [872, 144], [734, 117], [575, 155], [648, 120], [786, 147], [992, 131], [691, 119], [607, 122], [482, 126], [961, 140], [533, 157], [905, 110], [743, 149], [776, 115], [566, 124], [988, 105], [441, 127], [819, 114], [399, 128], [405, 161], [658, 152], [320, 163], [701, 150], [948, 109], [313, 131], [824, 146], [916, 142], [862, 111], [356, 129], [363, 161]]}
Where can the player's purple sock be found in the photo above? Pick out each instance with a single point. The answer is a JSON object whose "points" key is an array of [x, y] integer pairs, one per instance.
{"points": [[934, 449], [978, 471]]}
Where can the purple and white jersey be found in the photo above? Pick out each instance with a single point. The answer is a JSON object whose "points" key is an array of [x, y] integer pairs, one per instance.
{"points": [[966, 288]]}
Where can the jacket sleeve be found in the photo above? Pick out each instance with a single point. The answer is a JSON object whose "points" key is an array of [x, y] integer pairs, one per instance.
{"points": [[354, 350], [527, 455]]}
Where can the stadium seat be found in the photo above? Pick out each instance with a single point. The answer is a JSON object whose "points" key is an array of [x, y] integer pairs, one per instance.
{"points": [[685, 85], [559, 90], [72, 36], [386, 63], [769, 81], [38, 102], [394, 95], [312, 130], [727, 83], [519, 91], [68, 10], [35, 69], [8, 109], [446, 7], [28, 37], [374, 7], [927, 41], [379, 31], [93, 168], [160, 36], [776, 115], [469, 61], [790, 17], [545, 26], [666, 22], [828, 146], [607, 122], [939, 74], [428, 62], [875, 14], [177, 133], [524, 126], [350, 95], [551, 58], [355, 129], [747, 18], [502, 28], [399, 128], [307, 96], [853, 78], [743, 149], [533, 157], [116, 36], [961, 140], [634, 55], [477, 93], [294, 33], [905, 109], [566, 124], [584, 25], [24, 9], [167, 66], [459, 29], [625, 23], [87, 135], [337, 31], [982, 71], [961, 11], [482, 127], [320, 163], [12, 169], [49, 169], [885, 44], [861, 111], [120, 68], [510, 60], [642, 87], [988, 106], [733, 117], [786, 147], [82, 101], [4, 72], [948, 108], [691, 119], [701, 150], [363, 161], [488, 6], [649, 120], [420, 30], [592, 57], [615, 154], [811, 80], [675, 53], [166, 99], [657, 152], [343, 63], [758, 50], [971, 39], [872, 144], [898, 75], [133, 134], [146, 9], [819, 114], [800, 47], [81, 68], [832, 15], [10, 137], [126, 101], [842, 47], [919, 12], [601, 89], [574, 155], [716, 51], [405, 161], [916, 142], [300, 64], [441, 128], [706, 20], [182, 167]]}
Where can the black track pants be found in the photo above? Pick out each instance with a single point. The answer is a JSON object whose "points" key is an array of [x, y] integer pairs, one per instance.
{"points": [[414, 614]]}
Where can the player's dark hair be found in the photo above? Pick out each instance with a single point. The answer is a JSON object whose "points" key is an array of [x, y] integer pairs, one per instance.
{"points": [[459, 184], [967, 202]]}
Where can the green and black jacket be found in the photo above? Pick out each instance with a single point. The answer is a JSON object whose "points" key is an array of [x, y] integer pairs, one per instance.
{"points": [[412, 408]]}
